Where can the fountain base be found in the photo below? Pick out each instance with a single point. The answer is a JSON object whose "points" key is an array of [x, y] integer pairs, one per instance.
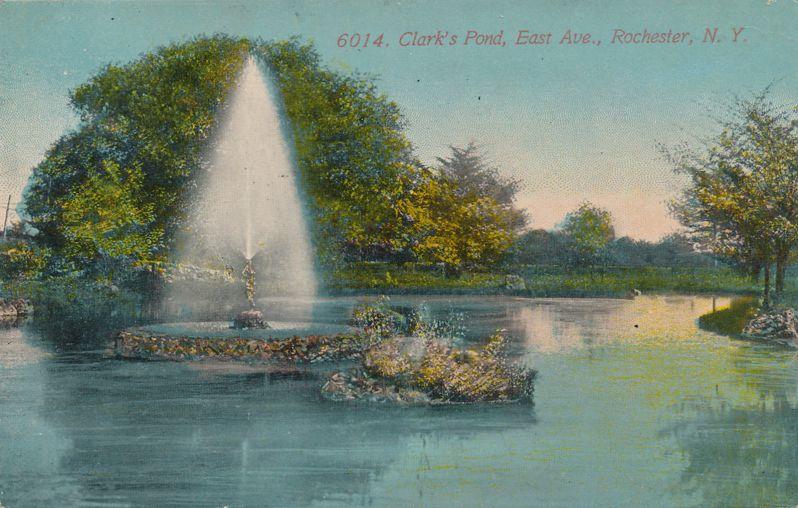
{"points": [[250, 319]]}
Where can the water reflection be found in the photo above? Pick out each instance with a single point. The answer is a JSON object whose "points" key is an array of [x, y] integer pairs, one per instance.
{"points": [[16, 348], [634, 407], [741, 446], [560, 324], [149, 434]]}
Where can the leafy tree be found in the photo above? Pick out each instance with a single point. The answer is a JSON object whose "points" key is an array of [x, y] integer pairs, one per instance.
{"points": [[743, 197], [457, 231], [673, 250], [468, 171], [542, 247], [350, 147], [104, 220], [538, 247], [152, 117], [589, 231]]}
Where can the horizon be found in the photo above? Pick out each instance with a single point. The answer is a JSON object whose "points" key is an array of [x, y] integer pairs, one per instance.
{"points": [[532, 109]]}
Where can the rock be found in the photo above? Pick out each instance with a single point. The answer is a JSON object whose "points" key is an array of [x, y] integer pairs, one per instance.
{"points": [[777, 326], [414, 397], [13, 309], [252, 318], [514, 283], [7, 311]]}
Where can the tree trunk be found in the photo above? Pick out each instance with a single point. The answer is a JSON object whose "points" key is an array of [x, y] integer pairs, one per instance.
{"points": [[756, 272], [766, 292], [452, 271], [781, 268]]}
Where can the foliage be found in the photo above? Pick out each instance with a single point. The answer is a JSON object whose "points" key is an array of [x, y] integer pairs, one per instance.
{"points": [[543, 280], [471, 175], [537, 247], [425, 362], [743, 198], [447, 329], [673, 250], [105, 218], [21, 260], [72, 311], [731, 320], [589, 231], [459, 231], [542, 247], [377, 319], [452, 375], [619, 281]]}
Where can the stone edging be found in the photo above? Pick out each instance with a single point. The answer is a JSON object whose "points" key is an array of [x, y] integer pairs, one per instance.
{"points": [[308, 349]]}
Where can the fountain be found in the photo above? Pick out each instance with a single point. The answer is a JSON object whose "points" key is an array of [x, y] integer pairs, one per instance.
{"points": [[249, 210], [252, 317], [250, 197]]}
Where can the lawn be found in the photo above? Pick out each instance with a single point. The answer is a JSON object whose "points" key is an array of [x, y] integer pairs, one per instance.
{"points": [[539, 280], [731, 320]]}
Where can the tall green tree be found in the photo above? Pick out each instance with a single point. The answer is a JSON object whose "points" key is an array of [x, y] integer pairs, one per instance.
{"points": [[743, 197], [589, 232], [470, 173], [458, 231]]}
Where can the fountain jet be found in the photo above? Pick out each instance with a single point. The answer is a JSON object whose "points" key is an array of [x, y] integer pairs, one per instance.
{"points": [[250, 207]]}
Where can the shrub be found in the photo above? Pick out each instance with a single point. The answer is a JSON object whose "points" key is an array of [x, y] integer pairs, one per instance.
{"points": [[20, 261], [450, 374], [377, 320]]}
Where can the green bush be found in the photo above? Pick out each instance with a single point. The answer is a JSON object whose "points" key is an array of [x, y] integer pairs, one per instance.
{"points": [[22, 261]]}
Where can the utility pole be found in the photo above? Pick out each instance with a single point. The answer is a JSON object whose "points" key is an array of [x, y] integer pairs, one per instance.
{"points": [[5, 220]]}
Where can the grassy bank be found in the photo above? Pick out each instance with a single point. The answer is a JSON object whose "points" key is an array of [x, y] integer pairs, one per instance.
{"points": [[539, 280], [730, 320]]}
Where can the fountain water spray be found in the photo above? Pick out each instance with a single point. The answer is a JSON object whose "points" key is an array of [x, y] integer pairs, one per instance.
{"points": [[250, 207], [249, 280]]}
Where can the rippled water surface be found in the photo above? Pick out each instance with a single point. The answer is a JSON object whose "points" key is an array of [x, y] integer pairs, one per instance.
{"points": [[634, 406]]}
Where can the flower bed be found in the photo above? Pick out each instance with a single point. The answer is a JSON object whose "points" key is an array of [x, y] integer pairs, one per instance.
{"points": [[310, 349], [14, 308], [419, 371]]}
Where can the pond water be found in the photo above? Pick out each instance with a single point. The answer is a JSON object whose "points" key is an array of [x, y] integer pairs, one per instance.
{"points": [[634, 406]]}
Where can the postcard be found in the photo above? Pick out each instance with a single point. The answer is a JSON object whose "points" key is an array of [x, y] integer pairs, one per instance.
{"points": [[398, 253]]}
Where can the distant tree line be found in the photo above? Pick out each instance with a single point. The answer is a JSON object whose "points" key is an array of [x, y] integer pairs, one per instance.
{"points": [[586, 240]]}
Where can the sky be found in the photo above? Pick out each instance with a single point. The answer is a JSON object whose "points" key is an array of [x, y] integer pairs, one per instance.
{"points": [[571, 122]]}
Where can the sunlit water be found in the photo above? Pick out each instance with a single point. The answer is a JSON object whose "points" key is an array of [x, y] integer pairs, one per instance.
{"points": [[634, 406]]}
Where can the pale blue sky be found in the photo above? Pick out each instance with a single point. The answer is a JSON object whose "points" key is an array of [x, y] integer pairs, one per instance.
{"points": [[572, 123]]}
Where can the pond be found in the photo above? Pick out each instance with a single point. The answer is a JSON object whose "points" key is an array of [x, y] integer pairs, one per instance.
{"points": [[634, 406]]}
